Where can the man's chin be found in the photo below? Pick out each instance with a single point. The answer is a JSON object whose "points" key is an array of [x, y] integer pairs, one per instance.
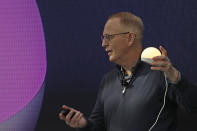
{"points": [[114, 60], [111, 59]]}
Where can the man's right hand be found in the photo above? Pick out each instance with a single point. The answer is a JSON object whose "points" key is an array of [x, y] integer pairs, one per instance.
{"points": [[77, 121]]}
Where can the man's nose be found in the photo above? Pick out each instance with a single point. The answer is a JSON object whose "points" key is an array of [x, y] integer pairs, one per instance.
{"points": [[104, 43]]}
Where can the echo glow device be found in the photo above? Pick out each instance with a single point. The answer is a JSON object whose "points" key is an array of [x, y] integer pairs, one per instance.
{"points": [[149, 53]]}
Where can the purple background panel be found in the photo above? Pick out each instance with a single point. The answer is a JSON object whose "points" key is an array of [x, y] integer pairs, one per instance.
{"points": [[25, 119], [22, 55]]}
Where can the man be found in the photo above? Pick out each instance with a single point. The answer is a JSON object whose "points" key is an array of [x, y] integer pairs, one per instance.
{"points": [[134, 96]]}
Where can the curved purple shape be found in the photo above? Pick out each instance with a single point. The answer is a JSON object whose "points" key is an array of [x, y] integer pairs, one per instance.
{"points": [[25, 119], [22, 55]]}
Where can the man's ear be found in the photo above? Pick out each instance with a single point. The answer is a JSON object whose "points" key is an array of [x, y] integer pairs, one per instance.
{"points": [[132, 38]]}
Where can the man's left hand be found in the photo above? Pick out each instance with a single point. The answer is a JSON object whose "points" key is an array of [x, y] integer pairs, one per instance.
{"points": [[163, 63]]}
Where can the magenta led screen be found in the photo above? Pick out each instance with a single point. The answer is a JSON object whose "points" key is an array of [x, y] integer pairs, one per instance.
{"points": [[22, 55]]}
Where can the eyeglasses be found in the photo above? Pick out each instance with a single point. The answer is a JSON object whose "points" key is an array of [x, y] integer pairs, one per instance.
{"points": [[108, 37]]}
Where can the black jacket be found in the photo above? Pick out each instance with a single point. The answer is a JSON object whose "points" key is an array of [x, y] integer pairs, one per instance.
{"points": [[138, 108]]}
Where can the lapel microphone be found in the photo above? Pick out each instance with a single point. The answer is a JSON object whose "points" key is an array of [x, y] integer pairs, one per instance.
{"points": [[127, 81]]}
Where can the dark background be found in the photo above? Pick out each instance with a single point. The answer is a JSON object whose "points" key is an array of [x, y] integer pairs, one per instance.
{"points": [[77, 62]]}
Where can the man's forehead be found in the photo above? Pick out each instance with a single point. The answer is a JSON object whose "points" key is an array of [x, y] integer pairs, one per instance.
{"points": [[112, 26]]}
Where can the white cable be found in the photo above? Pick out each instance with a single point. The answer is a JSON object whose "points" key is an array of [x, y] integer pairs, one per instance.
{"points": [[164, 102]]}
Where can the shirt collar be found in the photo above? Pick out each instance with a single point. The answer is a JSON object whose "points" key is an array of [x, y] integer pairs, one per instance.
{"points": [[133, 69]]}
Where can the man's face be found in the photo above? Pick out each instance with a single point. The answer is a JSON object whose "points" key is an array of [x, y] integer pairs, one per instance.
{"points": [[117, 45]]}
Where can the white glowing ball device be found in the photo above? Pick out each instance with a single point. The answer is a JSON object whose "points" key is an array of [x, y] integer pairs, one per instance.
{"points": [[149, 53]]}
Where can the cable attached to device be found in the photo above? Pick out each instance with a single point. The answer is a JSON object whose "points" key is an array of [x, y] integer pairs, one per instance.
{"points": [[164, 102]]}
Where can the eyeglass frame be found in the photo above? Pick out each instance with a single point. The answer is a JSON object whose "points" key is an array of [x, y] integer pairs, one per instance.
{"points": [[108, 37]]}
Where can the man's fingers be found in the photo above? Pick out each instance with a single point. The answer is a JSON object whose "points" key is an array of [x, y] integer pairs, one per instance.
{"points": [[66, 107], [158, 68], [160, 63], [73, 121], [163, 51], [75, 117], [68, 117], [61, 116], [80, 116], [160, 58]]}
